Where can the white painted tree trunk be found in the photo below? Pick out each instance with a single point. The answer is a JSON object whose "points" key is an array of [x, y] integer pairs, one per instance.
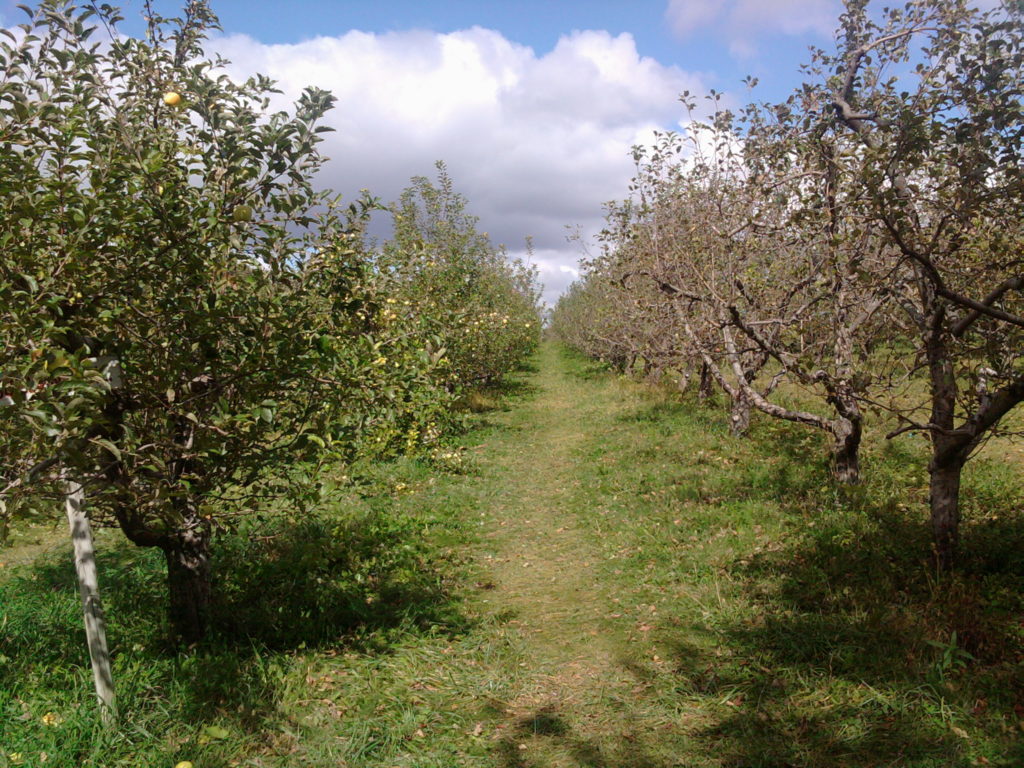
{"points": [[92, 608]]}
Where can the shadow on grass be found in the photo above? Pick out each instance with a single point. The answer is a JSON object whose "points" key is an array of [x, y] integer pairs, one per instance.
{"points": [[844, 648], [856, 654], [528, 366], [584, 368], [590, 371], [513, 388], [353, 584], [552, 736], [500, 395]]}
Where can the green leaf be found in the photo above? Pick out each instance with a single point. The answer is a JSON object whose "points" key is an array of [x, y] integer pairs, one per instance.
{"points": [[32, 284], [108, 446], [216, 732]]}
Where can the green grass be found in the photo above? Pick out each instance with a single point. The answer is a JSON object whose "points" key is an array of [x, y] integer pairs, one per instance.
{"points": [[336, 612], [601, 577], [798, 622]]}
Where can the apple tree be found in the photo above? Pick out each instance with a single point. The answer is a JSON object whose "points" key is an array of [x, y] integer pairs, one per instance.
{"points": [[183, 315], [931, 94], [476, 300]]}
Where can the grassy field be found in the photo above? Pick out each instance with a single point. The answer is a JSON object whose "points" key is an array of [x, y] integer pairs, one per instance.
{"points": [[608, 580]]}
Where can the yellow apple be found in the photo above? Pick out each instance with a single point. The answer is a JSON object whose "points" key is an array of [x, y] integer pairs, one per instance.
{"points": [[172, 98]]}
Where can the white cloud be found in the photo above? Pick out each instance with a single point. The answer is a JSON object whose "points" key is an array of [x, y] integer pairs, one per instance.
{"points": [[743, 22], [790, 17], [554, 272], [536, 142], [687, 16]]}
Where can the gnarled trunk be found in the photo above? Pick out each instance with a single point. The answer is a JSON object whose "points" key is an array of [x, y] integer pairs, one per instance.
{"points": [[948, 458], [846, 451], [847, 429], [682, 383], [739, 415]]}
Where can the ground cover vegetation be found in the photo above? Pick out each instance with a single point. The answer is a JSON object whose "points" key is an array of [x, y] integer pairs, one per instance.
{"points": [[857, 246], [613, 580], [190, 332]]}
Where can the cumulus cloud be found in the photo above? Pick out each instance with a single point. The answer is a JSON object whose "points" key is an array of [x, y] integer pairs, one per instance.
{"points": [[743, 22], [535, 141]]}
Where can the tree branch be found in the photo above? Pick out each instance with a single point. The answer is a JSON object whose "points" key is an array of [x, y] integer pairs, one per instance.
{"points": [[1010, 284]]}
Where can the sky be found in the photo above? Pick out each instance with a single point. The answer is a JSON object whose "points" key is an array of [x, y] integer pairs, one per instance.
{"points": [[533, 104]]}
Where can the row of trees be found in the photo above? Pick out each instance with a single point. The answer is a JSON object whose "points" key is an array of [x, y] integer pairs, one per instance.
{"points": [[188, 327], [859, 243]]}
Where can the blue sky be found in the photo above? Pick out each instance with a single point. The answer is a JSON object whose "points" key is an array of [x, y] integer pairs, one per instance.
{"points": [[533, 104], [777, 49]]}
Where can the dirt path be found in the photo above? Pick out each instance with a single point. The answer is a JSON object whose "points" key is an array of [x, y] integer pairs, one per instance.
{"points": [[543, 568]]}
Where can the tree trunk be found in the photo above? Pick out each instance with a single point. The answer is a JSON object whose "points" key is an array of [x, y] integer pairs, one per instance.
{"points": [[847, 429], [945, 508], [189, 581], [947, 455], [846, 451], [89, 591], [739, 416], [707, 384], [683, 382]]}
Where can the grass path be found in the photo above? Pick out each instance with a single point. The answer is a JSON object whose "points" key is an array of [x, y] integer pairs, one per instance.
{"points": [[573, 701], [544, 566]]}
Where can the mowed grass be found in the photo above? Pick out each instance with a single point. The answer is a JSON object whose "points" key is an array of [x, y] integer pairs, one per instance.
{"points": [[340, 637], [609, 580], [792, 622]]}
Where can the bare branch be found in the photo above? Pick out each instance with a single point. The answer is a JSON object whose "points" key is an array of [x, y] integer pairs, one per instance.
{"points": [[1010, 284]]}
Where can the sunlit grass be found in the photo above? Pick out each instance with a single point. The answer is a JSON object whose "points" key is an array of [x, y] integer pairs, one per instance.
{"points": [[609, 579]]}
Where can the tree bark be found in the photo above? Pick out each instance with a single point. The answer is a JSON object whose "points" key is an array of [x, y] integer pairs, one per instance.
{"points": [[707, 383], [948, 456], [847, 429], [846, 451], [683, 382], [739, 415], [189, 580], [944, 486]]}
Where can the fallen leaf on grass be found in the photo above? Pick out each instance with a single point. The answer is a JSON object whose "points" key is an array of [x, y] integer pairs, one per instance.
{"points": [[216, 732]]}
